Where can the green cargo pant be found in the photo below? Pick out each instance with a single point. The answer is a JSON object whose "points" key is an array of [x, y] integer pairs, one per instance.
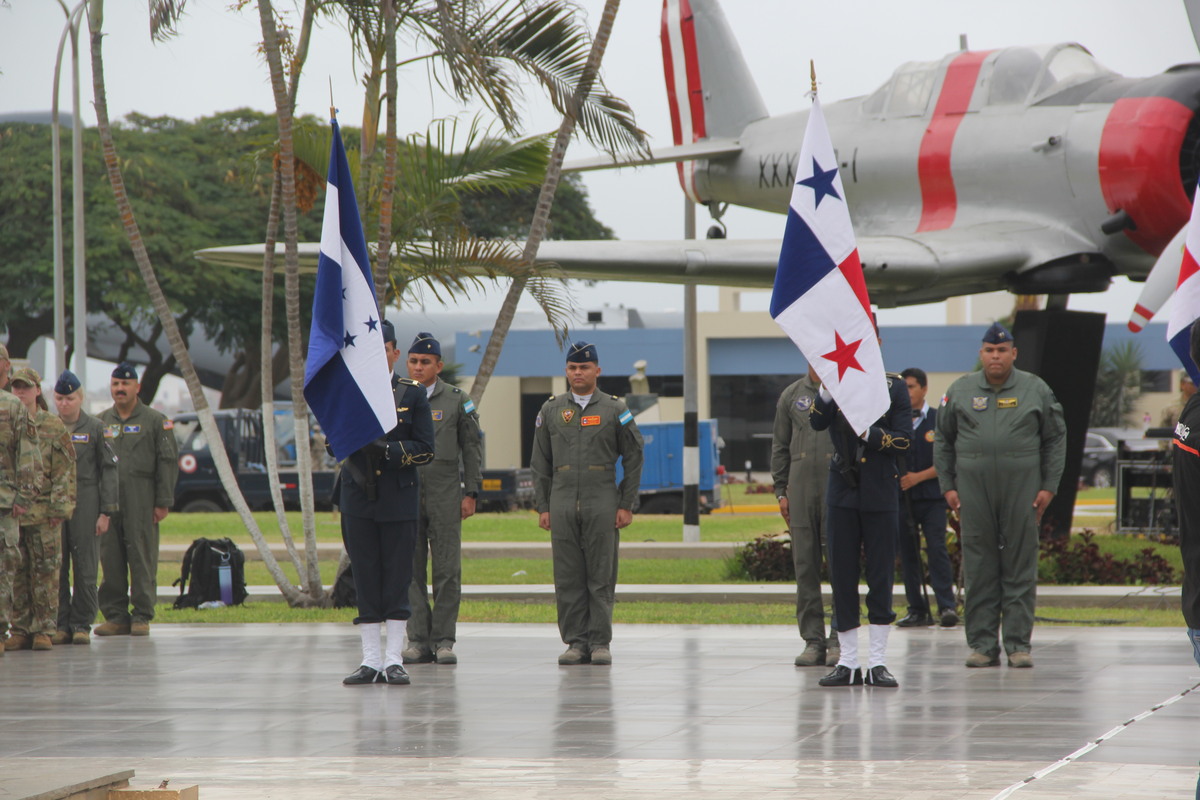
{"points": [[439, 535], [584, 542], [129, 559], [1000, 552]]}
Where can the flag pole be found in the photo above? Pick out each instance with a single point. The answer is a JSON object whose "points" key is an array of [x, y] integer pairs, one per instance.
{"points": [[812, 70]]}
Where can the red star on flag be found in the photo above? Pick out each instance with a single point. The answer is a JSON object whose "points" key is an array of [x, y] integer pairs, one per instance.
{"points": [[843, 355]]}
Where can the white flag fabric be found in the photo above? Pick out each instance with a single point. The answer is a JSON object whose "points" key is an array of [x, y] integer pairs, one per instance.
{"points": [[346, 378], [1185, 303], [820, 297]]}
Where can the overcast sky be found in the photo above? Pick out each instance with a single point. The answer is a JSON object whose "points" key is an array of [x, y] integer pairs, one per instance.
{"points": [[213, 66]]}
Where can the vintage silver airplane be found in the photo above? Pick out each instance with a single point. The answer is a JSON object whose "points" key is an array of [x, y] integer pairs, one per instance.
{"points": [[1031, 169]]}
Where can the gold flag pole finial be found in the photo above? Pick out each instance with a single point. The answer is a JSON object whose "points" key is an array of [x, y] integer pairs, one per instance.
{"points": [[812, 69], [332, 109]]}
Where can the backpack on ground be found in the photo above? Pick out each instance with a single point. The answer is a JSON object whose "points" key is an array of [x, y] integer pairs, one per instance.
{"points": [[213, 570], [345, 595]]}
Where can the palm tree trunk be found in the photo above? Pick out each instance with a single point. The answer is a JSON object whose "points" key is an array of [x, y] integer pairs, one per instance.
{"points": [[383, 247], [541, 216], [159, 301], [283, 110]]}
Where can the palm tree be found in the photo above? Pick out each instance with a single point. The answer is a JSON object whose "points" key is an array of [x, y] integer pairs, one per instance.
{"points": [[537, 231], [163, 16]]}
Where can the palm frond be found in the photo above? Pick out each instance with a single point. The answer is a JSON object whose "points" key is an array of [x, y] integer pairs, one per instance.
{"points": [[164, 16]]}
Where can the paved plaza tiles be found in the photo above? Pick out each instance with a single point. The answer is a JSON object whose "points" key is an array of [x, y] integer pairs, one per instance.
{"points": [[257, 711]]}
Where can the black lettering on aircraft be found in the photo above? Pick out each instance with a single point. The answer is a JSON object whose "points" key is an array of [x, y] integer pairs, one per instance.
{"points": [[762, 172]]}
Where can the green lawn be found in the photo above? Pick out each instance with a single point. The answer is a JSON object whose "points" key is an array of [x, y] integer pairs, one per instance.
{"points": [[659, 613]]}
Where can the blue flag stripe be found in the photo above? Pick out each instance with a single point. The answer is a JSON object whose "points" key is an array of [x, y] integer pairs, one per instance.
{"points": [[803, 262], [345, 416]]}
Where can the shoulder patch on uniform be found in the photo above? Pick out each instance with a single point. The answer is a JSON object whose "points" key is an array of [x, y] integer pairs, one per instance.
{"points": [[469, 405], [168, 425], [111, 431], [436, 414], [537, 423], [804, 402], [626, 417]]}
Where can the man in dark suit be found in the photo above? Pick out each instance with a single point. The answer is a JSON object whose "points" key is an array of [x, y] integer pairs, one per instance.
{"points": [[863, 499], [923, 510], [379, 504]]}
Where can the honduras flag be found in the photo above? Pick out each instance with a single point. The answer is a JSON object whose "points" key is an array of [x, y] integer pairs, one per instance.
{"points": [[820, 297], [1185, 304], [346, 378]]}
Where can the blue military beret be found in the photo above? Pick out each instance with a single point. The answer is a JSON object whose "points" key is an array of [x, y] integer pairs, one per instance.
{"points": [[125, 371], [425, 343], [389, 332], [997, 334], [581, 352], [67, 383]]}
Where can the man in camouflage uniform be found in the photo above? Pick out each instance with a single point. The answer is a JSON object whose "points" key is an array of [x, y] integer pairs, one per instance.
{"points": [[35, 584], [147, 466], [800, 469], [999, 450], [446, 500], [20, 482], [96, 500], [578, 438]]}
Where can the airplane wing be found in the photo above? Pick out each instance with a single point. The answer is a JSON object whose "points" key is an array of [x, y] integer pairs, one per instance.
{"points": [[900, 269]]}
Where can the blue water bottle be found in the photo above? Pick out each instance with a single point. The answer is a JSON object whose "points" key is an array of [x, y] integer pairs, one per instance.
{"points": [[225, 580]]}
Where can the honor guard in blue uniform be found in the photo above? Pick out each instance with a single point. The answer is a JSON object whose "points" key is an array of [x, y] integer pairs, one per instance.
{"points": [[863, 498], [923, 510], [578, 438], [449, 488], [378, 498], [1000, 447]]}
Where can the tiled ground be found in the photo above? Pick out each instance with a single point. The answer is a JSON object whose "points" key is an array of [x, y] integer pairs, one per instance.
{"points": [[695, 711]]}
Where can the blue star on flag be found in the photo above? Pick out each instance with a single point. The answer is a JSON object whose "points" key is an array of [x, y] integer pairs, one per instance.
{"points": [[821, 182], [349, 340], [371, 323]]}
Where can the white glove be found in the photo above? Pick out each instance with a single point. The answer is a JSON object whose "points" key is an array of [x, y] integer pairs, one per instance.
{"points": [[824, 393]]}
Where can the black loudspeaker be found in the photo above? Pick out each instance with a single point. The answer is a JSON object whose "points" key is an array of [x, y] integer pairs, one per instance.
{"points": [[1063, 348]]}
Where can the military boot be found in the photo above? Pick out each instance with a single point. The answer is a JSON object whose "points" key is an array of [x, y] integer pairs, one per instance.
{"points": [[18, 641], [61, 637], [575, 654], [416, 653], [41, 642], [139, 629], [112, 629], [81, 637], [813, 655]]}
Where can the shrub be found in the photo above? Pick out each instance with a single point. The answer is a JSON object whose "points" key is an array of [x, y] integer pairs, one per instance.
{"points": [[1066, 562], [767, 558]]}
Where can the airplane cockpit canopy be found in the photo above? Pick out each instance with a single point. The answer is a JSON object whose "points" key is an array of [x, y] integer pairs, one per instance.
{"points": [[1013, 75]]}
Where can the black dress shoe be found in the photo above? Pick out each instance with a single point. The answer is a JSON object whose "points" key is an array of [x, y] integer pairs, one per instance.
{"points": [[879, 676], [915, 621], [842, 676], [396, 676], [361, 676]]}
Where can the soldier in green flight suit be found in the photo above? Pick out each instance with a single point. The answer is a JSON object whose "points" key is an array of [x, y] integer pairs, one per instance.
{"points": [[800, 469], [577, 440], [20, 482], [35, 584], [96, 501], [999, 449], [147, 466], [446, 500]]}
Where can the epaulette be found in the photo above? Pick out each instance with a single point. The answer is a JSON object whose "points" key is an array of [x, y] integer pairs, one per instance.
{"points": [[407, 382], [456, 390], [895, 375], [614, 397], [551, 397]]}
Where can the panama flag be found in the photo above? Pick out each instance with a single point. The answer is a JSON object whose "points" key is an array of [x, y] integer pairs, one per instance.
{"points": [[820, 297], [1185, 303], [346, 378]]}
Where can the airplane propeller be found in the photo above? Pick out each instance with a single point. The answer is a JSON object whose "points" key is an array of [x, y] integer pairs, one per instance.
{"points": [[1164, 276]]}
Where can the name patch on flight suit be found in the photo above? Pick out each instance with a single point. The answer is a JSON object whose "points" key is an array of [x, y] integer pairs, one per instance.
{"points": [[1006, 402], [80, 437], [979, 403], [437, 414], [131, 429], [589, 421], [568, 414]]}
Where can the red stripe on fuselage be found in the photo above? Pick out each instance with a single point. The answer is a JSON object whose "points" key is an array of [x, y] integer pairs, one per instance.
{"points": [[939, 201], [1139, 167], [691, 63], [693, 92], [669, 72]]}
